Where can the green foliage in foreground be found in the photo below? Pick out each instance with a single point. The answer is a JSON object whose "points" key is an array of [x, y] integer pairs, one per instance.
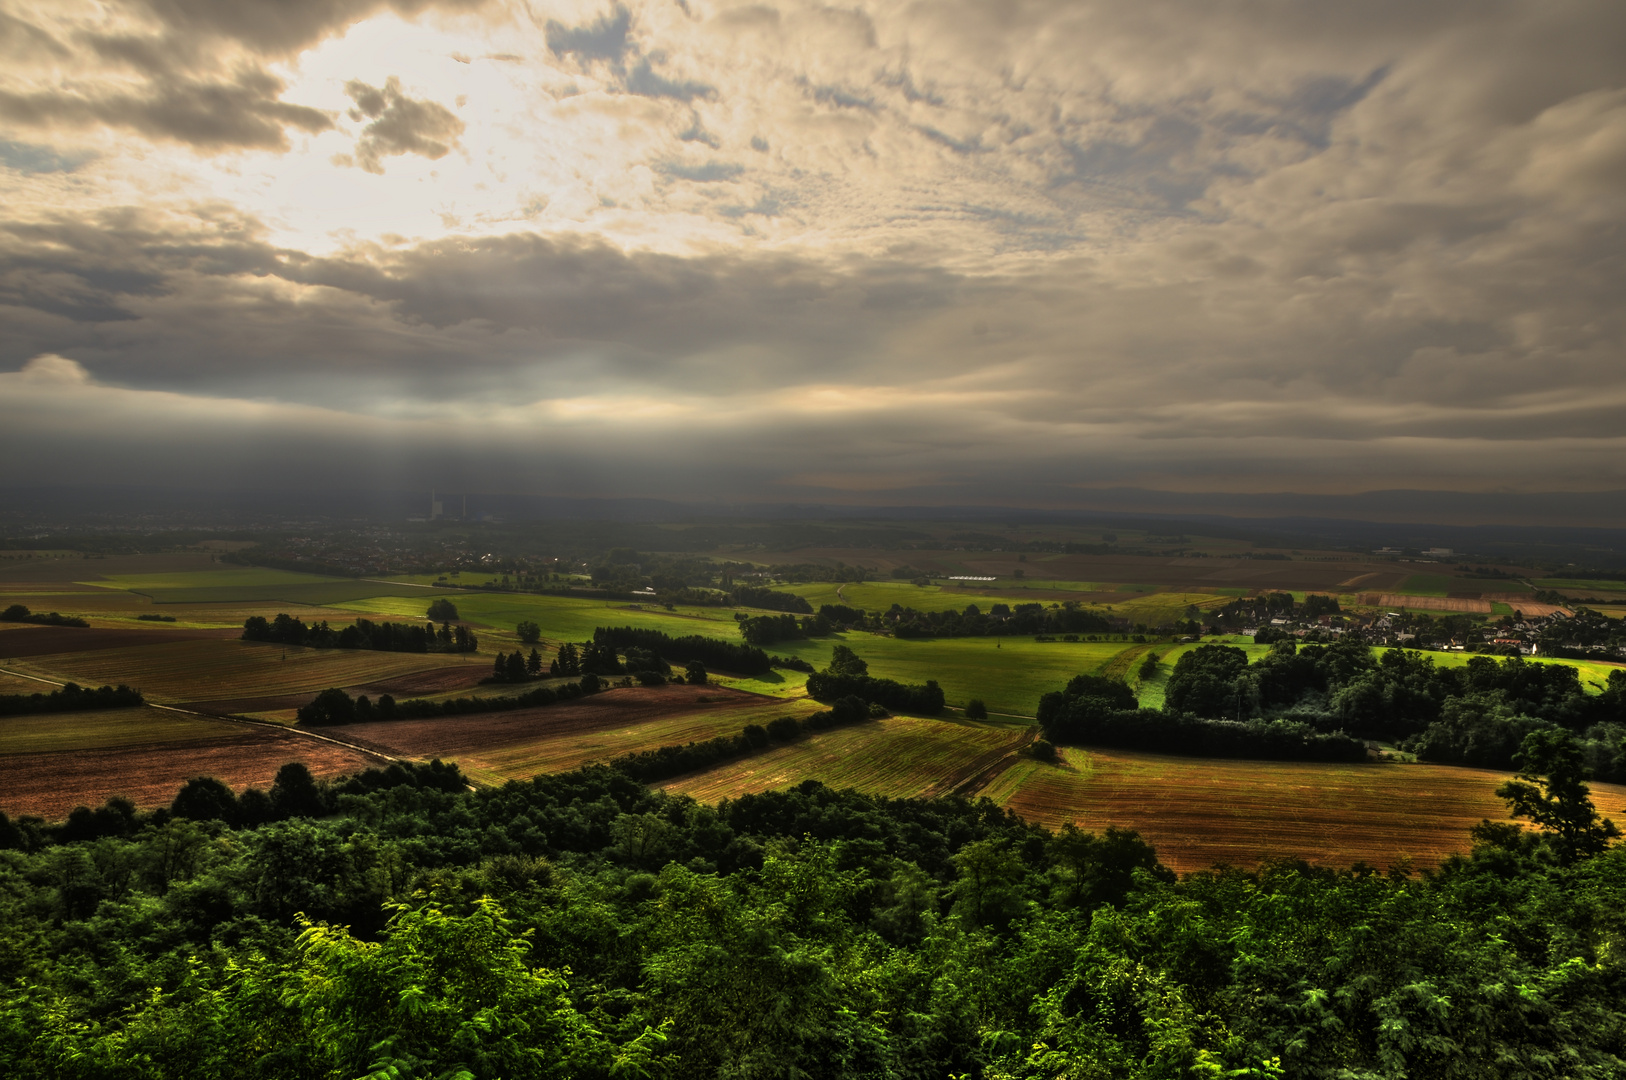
{"points": [[580, 925]]}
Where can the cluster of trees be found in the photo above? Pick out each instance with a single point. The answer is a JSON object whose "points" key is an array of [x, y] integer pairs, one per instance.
{"points": [[1253, 610], [71, 698], [362, 634], [714, 654], [848, 676], [665, 762], [1095, 710], [516, 667], [1316, 702], [769, 600], [581, 925], [998, 620], [19, 613], [759, 630], [1477, 714]]}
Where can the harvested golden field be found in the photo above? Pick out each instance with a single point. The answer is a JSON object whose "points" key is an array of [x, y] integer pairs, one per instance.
{"points": [[899, 757], [51, 764], [1202, 811], [500, 746], [1396, 601], [220, 668]]}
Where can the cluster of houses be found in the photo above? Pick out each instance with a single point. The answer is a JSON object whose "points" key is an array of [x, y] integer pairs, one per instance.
{"points": [[1524, 636]]}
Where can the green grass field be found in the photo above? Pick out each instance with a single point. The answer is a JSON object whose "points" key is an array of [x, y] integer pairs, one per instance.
{"points": [[1435, 585], [247, 585], [562, 618], [1137, 603]]}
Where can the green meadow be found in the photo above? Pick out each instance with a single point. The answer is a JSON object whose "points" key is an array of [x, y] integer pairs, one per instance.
{"points": [[247, 585], [1139, 603]]}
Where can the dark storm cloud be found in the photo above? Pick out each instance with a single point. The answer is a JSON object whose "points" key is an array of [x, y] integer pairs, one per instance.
{"points": [[400, 125]]}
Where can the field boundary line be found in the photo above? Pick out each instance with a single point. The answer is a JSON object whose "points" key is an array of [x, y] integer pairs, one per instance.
{"points": [[290, 729], [244, 721], [36, 678]]}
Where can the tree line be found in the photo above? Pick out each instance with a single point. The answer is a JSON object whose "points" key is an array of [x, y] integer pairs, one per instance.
{"points": [[71, 698], [334, 706], [362, 634], [715, 654], [19, 613]]}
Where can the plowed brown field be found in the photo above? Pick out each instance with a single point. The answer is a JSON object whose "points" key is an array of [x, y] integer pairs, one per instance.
{"points": [[50, 764], [51, 640]]}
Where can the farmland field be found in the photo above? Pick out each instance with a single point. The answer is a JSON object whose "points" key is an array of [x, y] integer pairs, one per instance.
{"points": [[494, 747], [900, 757], [50, 764], [219, 668], [1199, 811]]}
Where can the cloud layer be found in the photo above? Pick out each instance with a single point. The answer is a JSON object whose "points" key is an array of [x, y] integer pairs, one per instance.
{"points": [[957, 253]]}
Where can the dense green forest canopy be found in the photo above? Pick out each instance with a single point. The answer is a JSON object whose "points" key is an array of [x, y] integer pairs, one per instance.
{"points": [[580, 925]]}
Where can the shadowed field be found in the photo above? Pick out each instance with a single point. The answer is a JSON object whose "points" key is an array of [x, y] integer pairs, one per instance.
{"points": [[494, 747]]}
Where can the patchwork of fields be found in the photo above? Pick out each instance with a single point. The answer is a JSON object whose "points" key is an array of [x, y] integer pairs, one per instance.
{"points": [[496, 747], [1197, 812]]}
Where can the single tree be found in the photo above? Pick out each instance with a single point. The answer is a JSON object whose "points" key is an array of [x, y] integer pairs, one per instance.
{"points": [[529, 632], [1548, 790], [976, 710], [205, 799], [694, 673], [843, 661], [294, 793], [499, 667], [533, 663], [442, 610]]}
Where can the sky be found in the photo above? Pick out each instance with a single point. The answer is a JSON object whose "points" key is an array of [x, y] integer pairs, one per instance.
{"points": [[936, 253]]}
